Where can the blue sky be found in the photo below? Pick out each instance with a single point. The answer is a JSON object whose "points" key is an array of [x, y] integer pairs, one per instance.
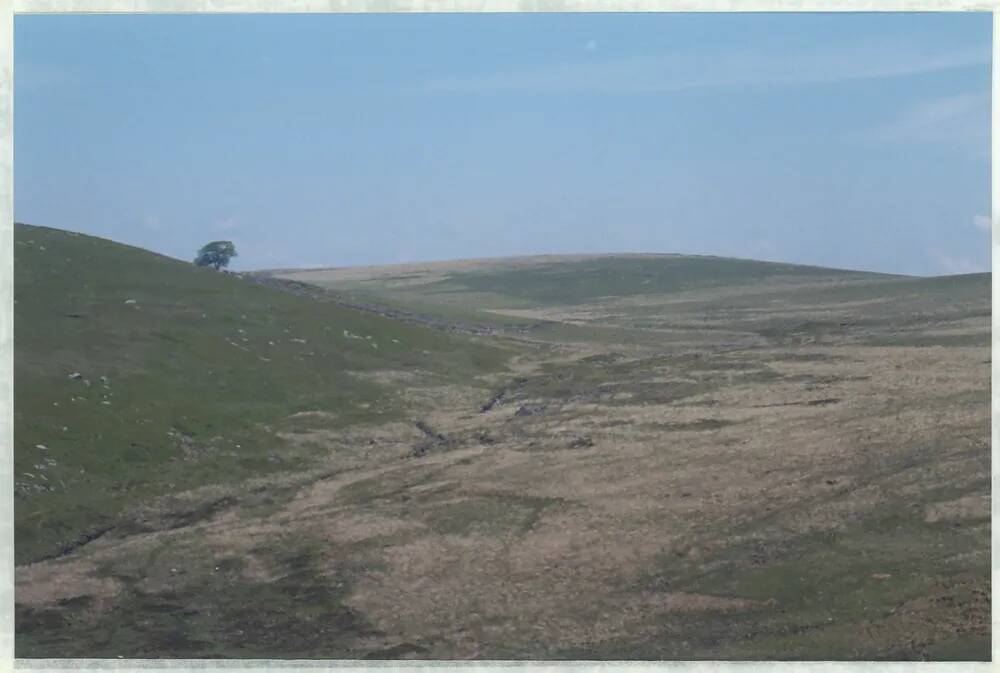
{"points": [[850, 140]]}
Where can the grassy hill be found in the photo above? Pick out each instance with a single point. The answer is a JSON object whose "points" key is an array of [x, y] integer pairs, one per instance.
{"points": [[658, 299], [569, 279], [640, 457], [137, 374], [577, 282]]}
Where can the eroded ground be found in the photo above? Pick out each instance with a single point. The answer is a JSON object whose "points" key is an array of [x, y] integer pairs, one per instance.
{"points": [[753, 480]]}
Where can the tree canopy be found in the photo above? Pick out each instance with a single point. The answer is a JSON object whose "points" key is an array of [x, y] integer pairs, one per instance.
{"points": [[216, 254]]}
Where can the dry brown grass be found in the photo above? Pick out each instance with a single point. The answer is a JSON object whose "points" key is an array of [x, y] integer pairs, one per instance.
{"points": [[532, 545]]}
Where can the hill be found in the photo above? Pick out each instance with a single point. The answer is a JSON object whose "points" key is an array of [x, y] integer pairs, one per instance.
{"points": [[138, 375], [611, 457], [548, 280], [661, 299]]}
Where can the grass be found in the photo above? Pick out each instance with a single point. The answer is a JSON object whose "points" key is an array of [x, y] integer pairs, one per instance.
{"points": [[705, 372], [830, 586], [300, 613], [495, 514], [695, 298], [576, 282], [468, 295], [185, 374]]}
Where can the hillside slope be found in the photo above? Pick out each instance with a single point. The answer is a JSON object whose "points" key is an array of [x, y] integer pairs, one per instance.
{"points": [[548, 280], [137, 374], [658, 300], [734, 462]]}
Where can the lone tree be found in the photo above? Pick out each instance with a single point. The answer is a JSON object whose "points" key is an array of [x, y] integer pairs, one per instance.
{"points": [[216, 254]]}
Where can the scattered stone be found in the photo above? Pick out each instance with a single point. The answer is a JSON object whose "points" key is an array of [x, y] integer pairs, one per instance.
{"points": [[495, 401], [530, 410], [881, 576], [429, 432], [433, 439]]}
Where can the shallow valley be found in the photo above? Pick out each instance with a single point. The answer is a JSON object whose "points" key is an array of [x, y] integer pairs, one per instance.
{"points": [[588, 457]]}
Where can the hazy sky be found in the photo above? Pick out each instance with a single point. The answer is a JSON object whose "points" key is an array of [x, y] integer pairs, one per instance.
{"points": [[853, 140]]}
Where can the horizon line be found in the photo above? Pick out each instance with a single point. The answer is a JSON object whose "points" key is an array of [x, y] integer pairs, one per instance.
{"points": [[586, 255]]}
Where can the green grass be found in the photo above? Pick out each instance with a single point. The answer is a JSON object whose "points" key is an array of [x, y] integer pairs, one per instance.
{"points": [[496, 514], [299, 614], [190, 372], [575, 282], [467, 296], [710, 299]]}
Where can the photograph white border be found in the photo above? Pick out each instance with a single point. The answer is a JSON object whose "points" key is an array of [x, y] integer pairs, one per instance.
{"points": [[8, 8]]}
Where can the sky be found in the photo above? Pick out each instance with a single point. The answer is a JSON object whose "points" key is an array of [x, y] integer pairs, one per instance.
{"points": [[855, 141]]}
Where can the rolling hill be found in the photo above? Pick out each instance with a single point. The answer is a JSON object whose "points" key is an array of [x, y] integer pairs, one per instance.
{"points": [[137, 375], [663, 299], [554, 458]]}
